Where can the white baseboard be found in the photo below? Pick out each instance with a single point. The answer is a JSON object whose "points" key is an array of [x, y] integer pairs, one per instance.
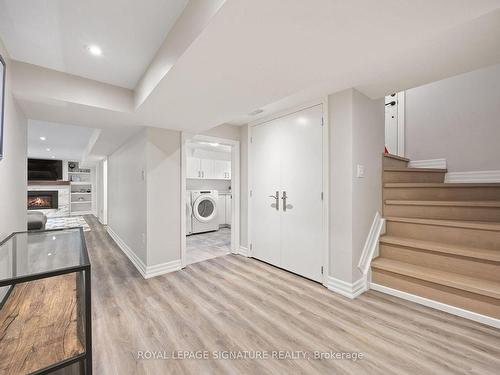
{"points": [[162, 268], [346, 289], [475, 176], [438, 305], [243, 251], [146, 271], [431, 163], [371, 243]]}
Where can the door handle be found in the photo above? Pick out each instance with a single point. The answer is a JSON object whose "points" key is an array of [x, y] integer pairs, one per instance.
{"points": [[284, 200], [277, 197]]}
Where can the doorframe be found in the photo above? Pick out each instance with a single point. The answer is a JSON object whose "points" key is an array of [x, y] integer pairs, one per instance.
{"points": [[326, 176], [235, 188], [401, 97]]}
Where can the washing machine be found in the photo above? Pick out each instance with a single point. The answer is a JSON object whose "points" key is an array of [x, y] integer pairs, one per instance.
{"points": [[204, 211], [189, 214]]}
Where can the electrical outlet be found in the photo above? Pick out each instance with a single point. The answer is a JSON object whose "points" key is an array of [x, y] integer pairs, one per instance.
{"points": [[143, 235], [360, 171]]}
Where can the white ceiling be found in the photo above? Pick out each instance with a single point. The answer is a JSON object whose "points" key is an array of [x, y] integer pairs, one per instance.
{"points": [[261, 54], [78, 143], [66, 142], [55, 33], [255, 53]]}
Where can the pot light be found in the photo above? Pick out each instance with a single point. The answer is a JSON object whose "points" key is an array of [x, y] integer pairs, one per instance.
{"points": [[43, 138], [95, 50], [53, 157], [47, 149]]}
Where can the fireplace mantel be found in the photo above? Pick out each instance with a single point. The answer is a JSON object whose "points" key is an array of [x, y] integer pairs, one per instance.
{"points": [[59, 182]]}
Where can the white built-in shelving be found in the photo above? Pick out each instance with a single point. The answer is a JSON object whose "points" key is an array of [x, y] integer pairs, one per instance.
{"points": [[82, 189]]}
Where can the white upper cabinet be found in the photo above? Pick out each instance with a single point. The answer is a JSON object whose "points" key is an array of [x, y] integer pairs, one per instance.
{"points": [[193, 169], [222, 169], [208, 168]]}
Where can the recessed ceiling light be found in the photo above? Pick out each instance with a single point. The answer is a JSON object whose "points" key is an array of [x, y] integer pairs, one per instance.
{"points": [[53, 157], [47, 149], [43, 138], [95, 50]]}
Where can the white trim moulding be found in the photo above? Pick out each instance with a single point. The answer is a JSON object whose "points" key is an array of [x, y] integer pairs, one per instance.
{"points": [[438, 305], [431, 163], [346, 289], [146, 271], [473, 177]]}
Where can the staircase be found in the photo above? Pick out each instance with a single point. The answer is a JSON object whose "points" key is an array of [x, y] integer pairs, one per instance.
{"points": [[442, 240]]}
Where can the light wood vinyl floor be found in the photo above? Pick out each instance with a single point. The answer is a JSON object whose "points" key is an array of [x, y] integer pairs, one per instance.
{"points": [[234, 303]]}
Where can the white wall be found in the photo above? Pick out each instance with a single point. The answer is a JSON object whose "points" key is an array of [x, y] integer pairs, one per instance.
{"points": [[13, 168], [356, 137], [244, 186], [367, 147], [163, 195], [457, 119], [101, 195], [225, 131], [144, 179], [127, 213], [341, 176]]}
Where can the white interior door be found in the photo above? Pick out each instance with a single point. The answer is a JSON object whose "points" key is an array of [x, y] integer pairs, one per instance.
{"points": [[395, 123], [266, 182], [302, 180], [391, 124], [287, 157]]}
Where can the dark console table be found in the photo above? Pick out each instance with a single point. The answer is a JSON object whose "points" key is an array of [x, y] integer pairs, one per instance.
{"points": [[45, 296]]}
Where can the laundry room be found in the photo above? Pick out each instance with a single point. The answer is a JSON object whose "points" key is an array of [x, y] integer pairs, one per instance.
{"points": [[209, 199]]}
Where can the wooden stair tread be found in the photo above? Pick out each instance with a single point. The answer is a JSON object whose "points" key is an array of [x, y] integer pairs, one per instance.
{"points": [[470, 284], [480, 225], [438, 185], [470, 252], [491, 204], [417, 170], [392, 156]]}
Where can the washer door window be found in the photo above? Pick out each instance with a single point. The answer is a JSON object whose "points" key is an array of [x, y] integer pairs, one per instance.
{"points": [[204, 209]]}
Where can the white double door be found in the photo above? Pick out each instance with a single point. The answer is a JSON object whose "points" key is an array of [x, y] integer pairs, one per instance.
{"points": [[287, 160]]}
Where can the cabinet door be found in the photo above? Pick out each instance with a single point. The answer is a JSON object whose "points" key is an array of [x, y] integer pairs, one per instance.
{"points": [[221, 210], [193, 167], [227, 170], [229, 207], [219, 169], [207, 168]]}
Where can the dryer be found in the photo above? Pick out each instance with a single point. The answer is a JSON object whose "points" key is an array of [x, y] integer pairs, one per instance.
{"points": [[204, 211]]}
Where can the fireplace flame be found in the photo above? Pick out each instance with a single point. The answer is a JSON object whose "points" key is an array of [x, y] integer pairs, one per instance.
{"points": [[39, 202]]}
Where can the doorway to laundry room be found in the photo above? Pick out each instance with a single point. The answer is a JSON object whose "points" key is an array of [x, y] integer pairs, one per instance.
{"points": [[209, 196]]}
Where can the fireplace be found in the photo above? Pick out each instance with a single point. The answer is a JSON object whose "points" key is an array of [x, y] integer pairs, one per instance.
{"points": [[43, 200]]}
